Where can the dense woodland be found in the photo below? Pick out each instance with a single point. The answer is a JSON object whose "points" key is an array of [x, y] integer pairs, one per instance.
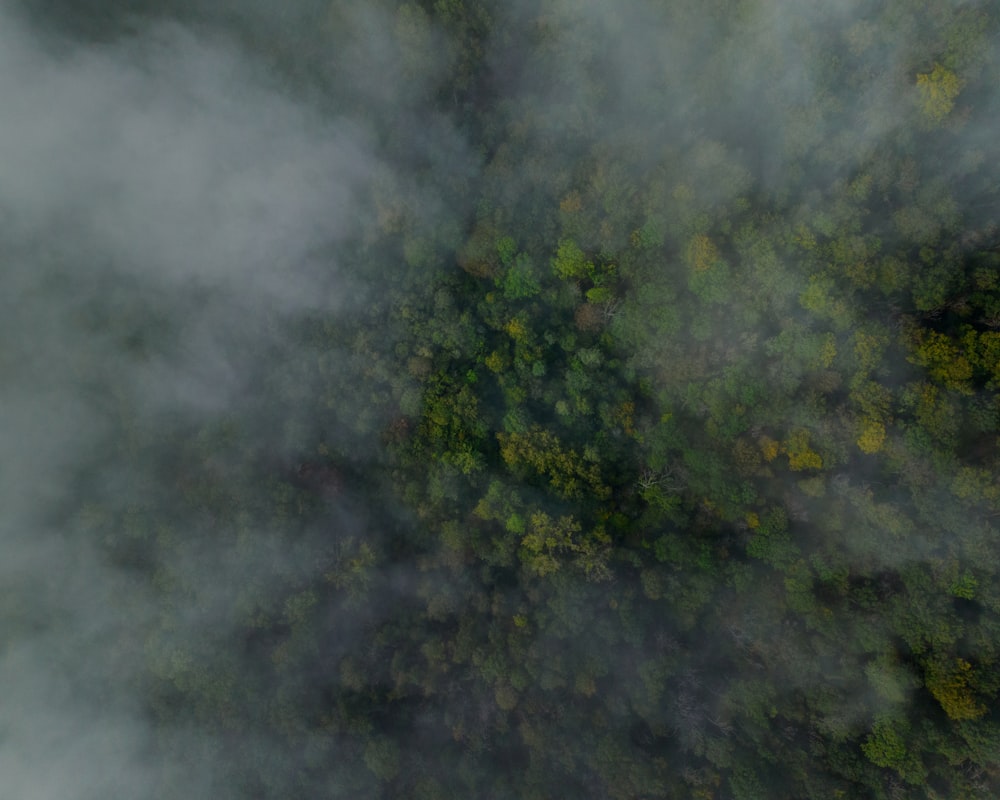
{"points": [[654, 451]]}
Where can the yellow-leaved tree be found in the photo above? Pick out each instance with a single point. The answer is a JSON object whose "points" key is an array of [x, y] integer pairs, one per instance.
{"points": [[872, 436], [938, 90], [949, 682]]}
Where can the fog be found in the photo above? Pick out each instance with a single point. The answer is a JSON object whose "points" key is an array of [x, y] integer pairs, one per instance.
{"points": [[167, 205], [205, 214]]}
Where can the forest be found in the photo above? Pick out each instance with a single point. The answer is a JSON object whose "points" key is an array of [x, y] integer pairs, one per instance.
{"points": [[501, 400]]}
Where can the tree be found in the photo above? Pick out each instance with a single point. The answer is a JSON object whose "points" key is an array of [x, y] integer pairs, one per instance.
{"points": [[948, 680], [945, 361], [800, 455], [938, 90], [546, 539], [872, 436], [569, 474], [886, 747], [570, 263]]}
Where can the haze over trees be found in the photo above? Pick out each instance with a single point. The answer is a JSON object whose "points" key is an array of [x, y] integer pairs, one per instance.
{"points": [[471, 399]]}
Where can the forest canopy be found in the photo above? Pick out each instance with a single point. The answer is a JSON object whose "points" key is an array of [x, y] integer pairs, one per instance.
{"points": [[471, 399]]}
